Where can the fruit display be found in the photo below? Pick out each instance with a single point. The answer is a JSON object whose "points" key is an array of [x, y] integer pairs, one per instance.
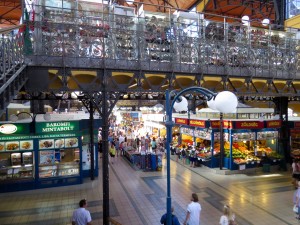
{"points": [[295, 153], [204, 155], [274, 155]]}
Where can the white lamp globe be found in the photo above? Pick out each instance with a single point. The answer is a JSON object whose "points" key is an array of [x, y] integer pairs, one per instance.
{"points": [[226, 102], [212, 104], [265, 22], [245, 20], [181, 105]]}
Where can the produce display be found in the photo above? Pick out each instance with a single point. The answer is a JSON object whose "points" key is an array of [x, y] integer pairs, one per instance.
{"points": [[295, 153], [241, 154]]}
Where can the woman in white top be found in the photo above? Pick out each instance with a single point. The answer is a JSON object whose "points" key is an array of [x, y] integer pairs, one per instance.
{"points": [[224, 220], [227, 218]]}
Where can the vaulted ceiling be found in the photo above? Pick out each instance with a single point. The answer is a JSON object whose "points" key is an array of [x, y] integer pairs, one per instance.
{"points": [[10, 12]]}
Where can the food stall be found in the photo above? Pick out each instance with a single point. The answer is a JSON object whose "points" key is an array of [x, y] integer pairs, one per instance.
{"points": [[247, 143], [295, 139], [42, 154]]}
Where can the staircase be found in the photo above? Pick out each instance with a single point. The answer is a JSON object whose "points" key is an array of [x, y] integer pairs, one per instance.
{"points": [[12, 67]]}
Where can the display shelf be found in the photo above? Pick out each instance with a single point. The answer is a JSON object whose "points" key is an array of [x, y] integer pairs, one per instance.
{"points": [[16, 172], [47, 171], [60, 169], [68, 169], [16, 159]]}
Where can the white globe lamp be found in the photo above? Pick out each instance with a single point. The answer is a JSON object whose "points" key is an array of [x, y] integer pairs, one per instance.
{"points": [[226, 102], [181, 105], [212, 104]]}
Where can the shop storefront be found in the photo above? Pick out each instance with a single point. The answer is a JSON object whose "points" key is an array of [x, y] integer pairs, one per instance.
{"points": [[247, 144], [46, 155]]}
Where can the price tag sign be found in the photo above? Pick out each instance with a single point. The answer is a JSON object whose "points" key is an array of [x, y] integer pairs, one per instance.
{"points": [[242, 167]]}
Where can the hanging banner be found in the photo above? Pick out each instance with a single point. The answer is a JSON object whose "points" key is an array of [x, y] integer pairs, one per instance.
{"points": [[249, 125], [181, 121], [274, 124], [197, 123], [296, 124], [216, 124]]}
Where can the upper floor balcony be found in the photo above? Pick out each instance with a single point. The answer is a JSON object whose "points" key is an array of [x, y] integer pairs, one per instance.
{"points": [[90, 35]]}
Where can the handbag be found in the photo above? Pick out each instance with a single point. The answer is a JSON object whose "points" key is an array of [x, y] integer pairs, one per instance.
{"points": [[295, 208]]}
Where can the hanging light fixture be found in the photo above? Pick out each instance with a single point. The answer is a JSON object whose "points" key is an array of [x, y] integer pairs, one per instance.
{"points": [[129, 2], [265, 22], [246, 20]]}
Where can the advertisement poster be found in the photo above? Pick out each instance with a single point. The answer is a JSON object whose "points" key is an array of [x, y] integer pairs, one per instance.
{"points": [[47, 157], [71, 142], [26, 145], [46, 143], [86, 162]]}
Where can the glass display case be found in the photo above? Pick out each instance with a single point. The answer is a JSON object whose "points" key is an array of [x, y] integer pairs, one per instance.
{"points": [[60, 162], [17, 165]]}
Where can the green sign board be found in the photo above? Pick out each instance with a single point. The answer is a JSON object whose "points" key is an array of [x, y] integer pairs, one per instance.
{"points": [[56, 127], [9, 129], [26, 137]]}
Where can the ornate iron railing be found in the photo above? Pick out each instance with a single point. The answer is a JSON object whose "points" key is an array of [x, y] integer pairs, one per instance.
{"points": [[11, 52], [160, 42]]}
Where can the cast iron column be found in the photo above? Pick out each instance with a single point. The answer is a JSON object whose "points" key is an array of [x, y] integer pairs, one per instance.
{"points": [[92, 140], [221, 141], [105, 172], [169, 124]]}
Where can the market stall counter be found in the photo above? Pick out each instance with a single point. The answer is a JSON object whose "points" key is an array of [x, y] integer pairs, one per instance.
{"points": [[145, 162], [247, 143], [53, 154]]}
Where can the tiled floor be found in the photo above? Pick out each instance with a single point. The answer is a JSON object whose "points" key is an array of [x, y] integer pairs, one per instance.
{"points": [[138, 198]]}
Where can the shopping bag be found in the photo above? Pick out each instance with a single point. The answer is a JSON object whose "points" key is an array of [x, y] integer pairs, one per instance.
{"points": [[295, 208]]}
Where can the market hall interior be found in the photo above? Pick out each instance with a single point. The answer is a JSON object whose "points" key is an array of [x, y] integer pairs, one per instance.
{"points": [[138, 198]]}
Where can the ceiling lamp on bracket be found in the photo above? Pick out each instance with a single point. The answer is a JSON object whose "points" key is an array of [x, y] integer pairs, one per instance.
{"points": [[265, 22], [246, 20]]}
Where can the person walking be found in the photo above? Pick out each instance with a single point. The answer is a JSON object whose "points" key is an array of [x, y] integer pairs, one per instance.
{"points": [[227, 218], [296, 201], [193, 211], [153, 145], [224, 219], [295, 173], [175, 220], [112, 152], [82, 216]]}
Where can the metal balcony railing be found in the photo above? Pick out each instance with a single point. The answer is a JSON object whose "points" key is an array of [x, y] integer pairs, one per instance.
{"points": [[11, 52], [116, 37]]}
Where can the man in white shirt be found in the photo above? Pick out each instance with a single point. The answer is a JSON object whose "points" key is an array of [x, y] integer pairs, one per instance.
{"points": [[193, 211], [121, 138], [82, 216]]}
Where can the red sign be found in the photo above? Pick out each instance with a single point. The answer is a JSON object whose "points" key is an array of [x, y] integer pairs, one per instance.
{"points": [[181, 121], [197, 123], [296, 124], [274, 124], [249, 125], [216, 124], [227, 124]]}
